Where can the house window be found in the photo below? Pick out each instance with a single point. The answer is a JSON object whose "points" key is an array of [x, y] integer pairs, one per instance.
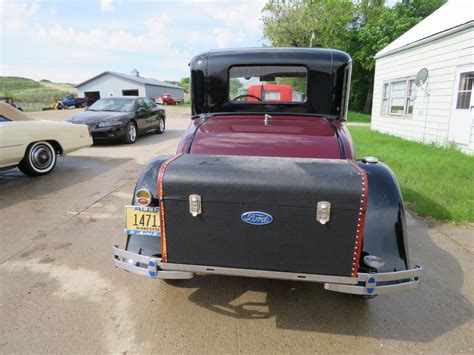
{"points": [[465, 91], [398, 97]]}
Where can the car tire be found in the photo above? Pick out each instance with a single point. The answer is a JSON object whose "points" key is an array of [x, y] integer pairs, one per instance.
{"points": [[161, 126], [132, 133], [40, 158]]}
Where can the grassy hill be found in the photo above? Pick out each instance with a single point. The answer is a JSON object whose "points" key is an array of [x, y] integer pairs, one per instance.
{"points": [[33, 95]]}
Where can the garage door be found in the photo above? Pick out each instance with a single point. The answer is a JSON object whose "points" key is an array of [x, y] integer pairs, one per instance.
{"points": [[92, 96]]}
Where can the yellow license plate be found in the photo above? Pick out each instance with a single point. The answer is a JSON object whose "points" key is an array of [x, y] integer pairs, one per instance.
{"points": [[142, 220]]}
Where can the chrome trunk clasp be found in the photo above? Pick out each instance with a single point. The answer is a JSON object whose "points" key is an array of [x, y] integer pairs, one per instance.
{"points": [[323, 212], [195, 205], [267, 118]]}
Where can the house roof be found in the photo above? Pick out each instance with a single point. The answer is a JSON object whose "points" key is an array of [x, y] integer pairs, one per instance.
{"points": [[138, 79], [454, 15]]}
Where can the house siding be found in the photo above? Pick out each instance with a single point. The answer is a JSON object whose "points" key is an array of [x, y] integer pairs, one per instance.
{"points": [[431, 113]]}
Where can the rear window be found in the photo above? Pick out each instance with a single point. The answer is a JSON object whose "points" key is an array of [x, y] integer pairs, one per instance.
{"points": [[261, 84], [149, 103]]}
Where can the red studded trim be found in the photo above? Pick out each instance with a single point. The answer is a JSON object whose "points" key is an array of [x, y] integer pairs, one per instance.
{"points": [[360, 219], [164, 250]]}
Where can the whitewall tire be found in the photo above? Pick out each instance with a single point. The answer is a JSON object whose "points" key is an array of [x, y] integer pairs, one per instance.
{"points": [[40, 158]]}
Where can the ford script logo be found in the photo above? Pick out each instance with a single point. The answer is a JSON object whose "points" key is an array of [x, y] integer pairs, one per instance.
{"points": [[256, 218]]}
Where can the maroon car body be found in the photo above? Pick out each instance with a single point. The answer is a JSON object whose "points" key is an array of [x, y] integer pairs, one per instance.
{"points": [[286, 136], [261, 187]]}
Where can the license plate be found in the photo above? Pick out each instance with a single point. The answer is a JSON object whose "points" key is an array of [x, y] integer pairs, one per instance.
{"points": [[142, 220]]}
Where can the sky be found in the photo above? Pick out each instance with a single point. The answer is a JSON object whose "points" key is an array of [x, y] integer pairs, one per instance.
{"points": [[71, 41]]}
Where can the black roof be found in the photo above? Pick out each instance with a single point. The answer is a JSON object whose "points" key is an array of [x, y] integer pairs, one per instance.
{"points": [[327, 87]]}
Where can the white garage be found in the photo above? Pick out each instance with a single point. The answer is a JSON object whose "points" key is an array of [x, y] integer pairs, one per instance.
{"points": [[440, 106], [109, 84]]}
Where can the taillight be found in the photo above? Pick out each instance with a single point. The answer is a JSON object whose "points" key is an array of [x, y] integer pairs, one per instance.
{"points": [[143, 197]]}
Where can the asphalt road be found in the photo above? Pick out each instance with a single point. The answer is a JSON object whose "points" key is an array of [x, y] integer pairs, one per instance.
{"points": [[60, 293]]}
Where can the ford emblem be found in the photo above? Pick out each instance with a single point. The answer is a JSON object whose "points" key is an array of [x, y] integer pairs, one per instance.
{"points": [[256, 218]]}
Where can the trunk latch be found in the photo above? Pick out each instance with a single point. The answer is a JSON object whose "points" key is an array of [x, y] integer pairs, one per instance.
{"points": [[323, 212], [195, 205]]}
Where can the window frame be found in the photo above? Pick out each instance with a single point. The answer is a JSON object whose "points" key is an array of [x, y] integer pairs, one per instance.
{"points": [[387, 96], [459, 90]]}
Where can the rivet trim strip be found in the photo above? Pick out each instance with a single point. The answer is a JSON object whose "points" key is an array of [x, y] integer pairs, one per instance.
{"points": [[161, 194], [360, 219]]}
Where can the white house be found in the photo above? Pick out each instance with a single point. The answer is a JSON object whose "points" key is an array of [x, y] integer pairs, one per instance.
{"points": [[442, 108], [109, 83]]}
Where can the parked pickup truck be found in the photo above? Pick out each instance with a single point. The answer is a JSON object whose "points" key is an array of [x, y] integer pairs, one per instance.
{"points": [[270, 188], [70, 101], [166, 99]]}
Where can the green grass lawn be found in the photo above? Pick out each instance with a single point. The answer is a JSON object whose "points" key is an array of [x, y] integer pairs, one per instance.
{"points": [[358, 117], [436, 182]]}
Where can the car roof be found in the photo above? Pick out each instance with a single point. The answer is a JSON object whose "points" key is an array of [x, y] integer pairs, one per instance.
{"points": [[13, 114]]}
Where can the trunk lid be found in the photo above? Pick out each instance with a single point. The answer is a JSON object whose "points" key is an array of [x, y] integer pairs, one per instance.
{"points": [[279, 136], [286, 189]]}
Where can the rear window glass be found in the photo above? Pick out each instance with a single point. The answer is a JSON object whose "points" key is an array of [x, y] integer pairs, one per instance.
{"points": [[259, 84], [149, 103]]}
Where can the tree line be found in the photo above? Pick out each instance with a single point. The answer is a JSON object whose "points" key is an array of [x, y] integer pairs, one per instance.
{"points": [[359, 27]]}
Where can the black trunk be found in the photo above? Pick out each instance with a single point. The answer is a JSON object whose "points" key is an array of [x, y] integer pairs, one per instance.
{"points": [[288, 189]]}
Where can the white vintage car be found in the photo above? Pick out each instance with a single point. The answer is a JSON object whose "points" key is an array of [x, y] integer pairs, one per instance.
{"points": [[33, 145]]}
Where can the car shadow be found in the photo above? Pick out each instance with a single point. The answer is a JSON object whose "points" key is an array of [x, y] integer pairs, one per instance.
{"points": [[422, 200], [15, 187], [435, 308]]}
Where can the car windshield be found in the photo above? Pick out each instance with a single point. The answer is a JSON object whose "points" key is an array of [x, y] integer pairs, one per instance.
{"points": [[119, 105]]}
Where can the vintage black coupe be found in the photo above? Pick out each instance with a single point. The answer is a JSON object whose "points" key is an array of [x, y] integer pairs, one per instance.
{"points": [[265, 182]]}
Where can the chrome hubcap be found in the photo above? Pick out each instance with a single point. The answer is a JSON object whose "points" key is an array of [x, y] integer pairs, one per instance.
{"points": [[162, 125], [132, 133], [41, 157]]}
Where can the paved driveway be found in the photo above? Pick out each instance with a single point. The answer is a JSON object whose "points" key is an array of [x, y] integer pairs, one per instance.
{"points": [[60, 293]]}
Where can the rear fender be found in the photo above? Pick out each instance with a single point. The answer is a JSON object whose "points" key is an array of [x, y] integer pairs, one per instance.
{"points": [[385, 231], [148, 179]]}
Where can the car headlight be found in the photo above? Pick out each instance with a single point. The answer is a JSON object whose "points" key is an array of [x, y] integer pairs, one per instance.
{"points": [[110, 124]]}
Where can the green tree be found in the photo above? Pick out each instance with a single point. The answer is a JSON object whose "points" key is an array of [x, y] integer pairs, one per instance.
{"points": [[184, 83], [292, 22], [234, 86], [360, 27]]}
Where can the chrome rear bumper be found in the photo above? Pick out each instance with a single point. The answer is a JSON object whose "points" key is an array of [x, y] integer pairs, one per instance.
{"points": [[364, 284]]}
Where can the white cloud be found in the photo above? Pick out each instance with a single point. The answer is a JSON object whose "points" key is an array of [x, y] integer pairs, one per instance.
{"points": [[245, 15], [14, 8], [53, 10], [97, 38], [226, 38], [16, 15], [161, 42], [107, 5]]}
